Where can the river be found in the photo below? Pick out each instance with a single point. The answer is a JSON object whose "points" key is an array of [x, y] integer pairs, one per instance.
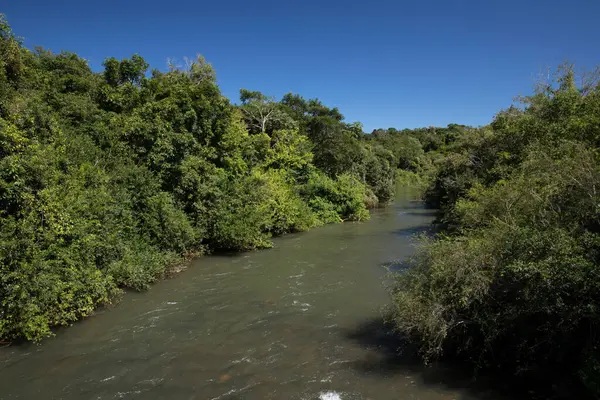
{"points": [[299, 321]]}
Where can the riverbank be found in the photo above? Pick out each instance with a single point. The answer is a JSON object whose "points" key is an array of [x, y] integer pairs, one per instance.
{"points": [[107, 178], [279, 323]]}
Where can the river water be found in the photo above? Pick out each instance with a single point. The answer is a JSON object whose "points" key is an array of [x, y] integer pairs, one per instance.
{"points": [[299, 321]]}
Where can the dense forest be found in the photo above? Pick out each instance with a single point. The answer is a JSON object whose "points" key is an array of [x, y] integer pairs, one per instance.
{"points": [[109, 179], [512, 282]]}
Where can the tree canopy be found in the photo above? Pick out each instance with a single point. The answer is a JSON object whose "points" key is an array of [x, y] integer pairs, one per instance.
{"points": [[107, 179]]}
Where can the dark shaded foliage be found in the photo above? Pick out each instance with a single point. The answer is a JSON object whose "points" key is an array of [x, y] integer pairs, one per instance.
{"points": [[514, 283]]}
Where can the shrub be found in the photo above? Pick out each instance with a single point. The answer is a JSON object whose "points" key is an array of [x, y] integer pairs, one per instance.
{"points": [[108, 178], [281, 202], [515, 284], [343, 197]]}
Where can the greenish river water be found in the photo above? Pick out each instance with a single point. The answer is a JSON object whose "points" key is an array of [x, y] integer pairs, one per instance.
{"points": [[299, 321]]}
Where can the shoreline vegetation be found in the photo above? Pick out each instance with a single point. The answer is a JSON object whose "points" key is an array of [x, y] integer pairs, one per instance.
{"points": [[107, 178], [512, 284]]}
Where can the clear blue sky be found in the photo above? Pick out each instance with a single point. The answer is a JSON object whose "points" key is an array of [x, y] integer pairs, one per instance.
{"points": [[385, 63]]}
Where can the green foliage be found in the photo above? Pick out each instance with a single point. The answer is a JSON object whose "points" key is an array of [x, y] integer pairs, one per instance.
{"points": [[515, 281], [379, 172], [288, 150], [11, 65], [238, 219], [416, 182], [342, 148], [107, 179], [336, 200], [282, 203], [405, 147], [126, 71], [139, 265], [263, 114]]}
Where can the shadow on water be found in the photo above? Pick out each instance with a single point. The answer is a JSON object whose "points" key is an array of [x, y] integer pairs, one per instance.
{"points": [[397, 266], [392, 355], [413, 230]]}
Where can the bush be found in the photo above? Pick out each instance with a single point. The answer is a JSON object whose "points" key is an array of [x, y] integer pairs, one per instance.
{"points": [[258, 206], [139, 265], [107, 179], [281, 202], [380, 173], [336, 200], [515, 284], [42, 284], [236, 222]]}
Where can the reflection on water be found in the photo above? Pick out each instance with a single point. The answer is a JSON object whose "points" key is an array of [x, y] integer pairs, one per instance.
{"points": [[299, 321]]}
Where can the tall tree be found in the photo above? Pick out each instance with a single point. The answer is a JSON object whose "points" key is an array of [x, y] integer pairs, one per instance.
{"points": [[263, 114]]}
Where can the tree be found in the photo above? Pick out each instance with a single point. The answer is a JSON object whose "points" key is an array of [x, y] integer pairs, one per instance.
{"points": [[513, 282], [107, 179], [130, 70], [262, 113]]}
